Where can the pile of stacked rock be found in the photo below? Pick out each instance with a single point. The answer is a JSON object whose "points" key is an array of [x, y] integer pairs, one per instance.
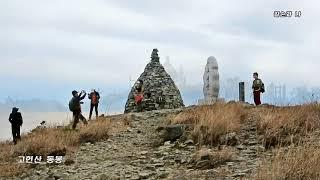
{"points": [[160, 91]]}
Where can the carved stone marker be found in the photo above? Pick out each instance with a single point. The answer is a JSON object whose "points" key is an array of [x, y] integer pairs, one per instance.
{"points": [[211, 85]]}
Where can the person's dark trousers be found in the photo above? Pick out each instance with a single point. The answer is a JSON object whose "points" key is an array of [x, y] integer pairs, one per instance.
{"points": [[95, 106], [139, 107], [76, 116], [15, 133], [256, 97]]}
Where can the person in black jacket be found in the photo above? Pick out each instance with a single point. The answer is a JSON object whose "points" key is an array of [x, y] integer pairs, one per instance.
{"points": [[75, 107], [16, 121]]}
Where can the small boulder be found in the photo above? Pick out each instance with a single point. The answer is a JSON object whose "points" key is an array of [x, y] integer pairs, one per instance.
{"points": [[102, 177], [229, 139], [144, 175], [69, 161], [143, 152], [189, 142], [163, 175], [173, 132]]}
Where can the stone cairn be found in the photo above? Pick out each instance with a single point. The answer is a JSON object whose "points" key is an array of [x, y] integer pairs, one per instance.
{"points": [[211, 85], [158, 85]]}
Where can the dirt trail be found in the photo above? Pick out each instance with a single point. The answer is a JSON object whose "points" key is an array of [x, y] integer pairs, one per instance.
{"points": [[131, 154], [249, 149]]}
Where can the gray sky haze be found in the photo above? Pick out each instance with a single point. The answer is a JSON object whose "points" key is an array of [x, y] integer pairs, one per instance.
{"points": [[57, 46]]}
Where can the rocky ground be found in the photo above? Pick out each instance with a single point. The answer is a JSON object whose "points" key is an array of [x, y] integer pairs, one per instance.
{"points": [[137, 152]]}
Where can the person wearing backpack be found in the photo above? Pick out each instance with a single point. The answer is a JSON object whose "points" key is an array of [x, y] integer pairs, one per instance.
{"points": [[258, 88], [75, 107], [16, 121], [94, 96]]}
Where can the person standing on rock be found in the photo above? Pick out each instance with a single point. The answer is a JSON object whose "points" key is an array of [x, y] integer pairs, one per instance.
{"points": [[75, 107], [16, 121], [138, 95], [94, 96], [258, 88]]}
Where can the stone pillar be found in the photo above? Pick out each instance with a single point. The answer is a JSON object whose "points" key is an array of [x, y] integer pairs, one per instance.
{"points": [[211, 85], [241, 92]]}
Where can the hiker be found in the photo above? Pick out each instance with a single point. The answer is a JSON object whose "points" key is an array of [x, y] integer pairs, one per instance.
{"points": [[138, 95], [94, 96], [258, 88], [16, 121], [75, 107]]}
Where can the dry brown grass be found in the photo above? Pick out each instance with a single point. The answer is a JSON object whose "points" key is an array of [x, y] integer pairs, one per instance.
{"points": [[7, 167], [56, 141], [208, 123], [49, 141], [95, 131], [301, 162], [277, 125], [283, 126]]}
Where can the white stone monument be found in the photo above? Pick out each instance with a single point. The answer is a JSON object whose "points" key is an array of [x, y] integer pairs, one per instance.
{"points": [[211, 85]]}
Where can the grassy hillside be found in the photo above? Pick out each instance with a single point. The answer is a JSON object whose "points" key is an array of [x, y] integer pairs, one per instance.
{"points": [[290, 134], [50, 141]]}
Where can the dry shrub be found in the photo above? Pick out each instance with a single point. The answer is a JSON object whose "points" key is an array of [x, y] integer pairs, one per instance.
{"points": [[56, 141], [283, 126], [50, 141], [8, 169], [301, 162], [5, 152], [211, 121], [99, 130]]}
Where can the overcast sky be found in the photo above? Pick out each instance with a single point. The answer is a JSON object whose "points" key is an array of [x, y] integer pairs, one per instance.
{"points": [[48, 48]]}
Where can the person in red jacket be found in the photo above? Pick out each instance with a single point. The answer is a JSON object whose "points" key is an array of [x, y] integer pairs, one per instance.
{"points": [[94, 96], [258, 88], [138, 95]]}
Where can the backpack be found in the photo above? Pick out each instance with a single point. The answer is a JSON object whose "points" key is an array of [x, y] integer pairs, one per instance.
{"points": [[19, 118], [16, 118], [94, 98], [73, 104], [262, 88]]}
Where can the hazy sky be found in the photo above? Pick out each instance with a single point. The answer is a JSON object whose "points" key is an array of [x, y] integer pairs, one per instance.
{"points": [[48, 48]]}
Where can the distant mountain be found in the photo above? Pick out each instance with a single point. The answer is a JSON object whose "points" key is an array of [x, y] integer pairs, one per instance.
{"points": [[115, 102], [32, 105]]}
